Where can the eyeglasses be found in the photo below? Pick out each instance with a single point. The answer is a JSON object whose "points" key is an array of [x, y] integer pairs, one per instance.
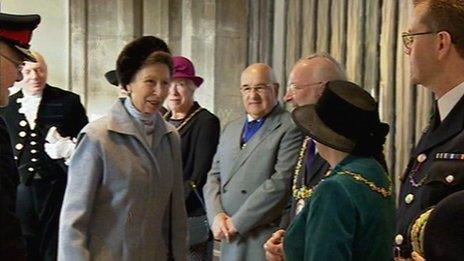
{"points": [[408, 38], [259, 88], [19, 64], [291, 87]]}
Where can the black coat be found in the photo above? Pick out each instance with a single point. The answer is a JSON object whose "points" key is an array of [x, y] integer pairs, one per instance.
{"points": [[314, 175], [433, 174], [11, 241], [317, 170], [58, 108], [199, 140], [44, 196]]}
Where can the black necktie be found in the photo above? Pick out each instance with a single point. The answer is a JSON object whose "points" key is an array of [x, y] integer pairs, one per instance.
{"points": [[435, 117]]}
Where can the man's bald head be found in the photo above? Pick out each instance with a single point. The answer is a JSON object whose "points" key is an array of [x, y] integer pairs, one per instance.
{"points": [[322, 67], [35, 75], [260, 69], [308, 76], [259, 90]]}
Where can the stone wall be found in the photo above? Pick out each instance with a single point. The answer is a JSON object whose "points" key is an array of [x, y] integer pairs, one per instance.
{"points": [[81, 40]]}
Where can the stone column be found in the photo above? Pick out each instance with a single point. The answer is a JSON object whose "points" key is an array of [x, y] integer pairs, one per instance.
{"points": [[214, 36], [98, 31]]}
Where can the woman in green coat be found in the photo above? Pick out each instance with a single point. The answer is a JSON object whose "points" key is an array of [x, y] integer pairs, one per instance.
{"points": [[350, 214]]}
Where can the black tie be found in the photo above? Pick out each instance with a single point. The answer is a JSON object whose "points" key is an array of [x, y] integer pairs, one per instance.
{"points": [[435, 117]]}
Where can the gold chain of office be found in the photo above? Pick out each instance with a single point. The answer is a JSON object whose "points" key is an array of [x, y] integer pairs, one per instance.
{"points": [[186, 120], [304, 191], [385, 192]]}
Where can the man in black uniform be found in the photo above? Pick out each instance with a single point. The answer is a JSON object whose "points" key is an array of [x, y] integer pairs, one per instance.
{"points": [[306, 82], [15, 34], [435, 44], [42, 121]]}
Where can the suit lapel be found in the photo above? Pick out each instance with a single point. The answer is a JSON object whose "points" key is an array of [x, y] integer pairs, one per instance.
{"points": [[271, 123], [43, 101], [318, 169], [453, 124], [232, 143]]}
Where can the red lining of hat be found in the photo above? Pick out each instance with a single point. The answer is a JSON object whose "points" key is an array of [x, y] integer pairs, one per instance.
{"points": [[22, 36]]}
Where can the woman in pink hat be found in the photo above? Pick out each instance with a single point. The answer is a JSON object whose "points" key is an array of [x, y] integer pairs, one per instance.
{"points": [[199, 130]]}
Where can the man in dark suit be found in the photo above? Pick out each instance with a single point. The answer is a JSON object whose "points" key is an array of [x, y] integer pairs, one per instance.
{"points": [[306, 83], [15, 34], [42, 121], [435, 45]]}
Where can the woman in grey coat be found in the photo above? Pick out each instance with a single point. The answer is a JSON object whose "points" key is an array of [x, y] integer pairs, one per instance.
{"points": [[124, 199]]}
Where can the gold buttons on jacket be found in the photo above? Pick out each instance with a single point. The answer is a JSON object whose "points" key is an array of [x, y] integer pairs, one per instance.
{"points": [[22, 123], [33, 151], [22, 134], [409, 198], [421, 157], [399, 239], [449, 178], [19, 146]]}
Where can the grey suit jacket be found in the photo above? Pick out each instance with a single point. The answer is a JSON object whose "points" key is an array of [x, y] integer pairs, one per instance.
{"points": [[252, 185], [124, 199]]}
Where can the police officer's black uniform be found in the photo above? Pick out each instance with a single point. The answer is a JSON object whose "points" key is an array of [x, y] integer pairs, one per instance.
{"points": [[435, 170], [15, 32]]}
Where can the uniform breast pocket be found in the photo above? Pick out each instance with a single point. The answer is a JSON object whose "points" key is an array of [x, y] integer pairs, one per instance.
{"points": [[443, 178]]}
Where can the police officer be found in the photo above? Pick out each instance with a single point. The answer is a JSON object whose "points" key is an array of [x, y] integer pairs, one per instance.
{"points": [[15, 34], [42, 120], [435, 45]]}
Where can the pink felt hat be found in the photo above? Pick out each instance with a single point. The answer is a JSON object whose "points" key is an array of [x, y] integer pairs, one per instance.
{"points": [[183, 69]]}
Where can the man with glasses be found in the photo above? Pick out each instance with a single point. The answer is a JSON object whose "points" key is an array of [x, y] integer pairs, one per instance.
{"points": [[306, 82], [15, 34], [435, 45], [249, 183]]}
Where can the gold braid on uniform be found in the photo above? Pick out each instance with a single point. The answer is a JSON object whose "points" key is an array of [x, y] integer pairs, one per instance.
{"points": [[385, 192], [166, 116], [417, 232], [303, 192]]}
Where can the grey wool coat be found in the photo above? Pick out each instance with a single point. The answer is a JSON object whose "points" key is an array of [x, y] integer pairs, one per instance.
{"points": [[253, 184], [124, 199]]}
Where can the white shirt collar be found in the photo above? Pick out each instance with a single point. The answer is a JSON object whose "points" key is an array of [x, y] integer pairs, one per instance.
{"points": [[249, 118], [447, 102]]}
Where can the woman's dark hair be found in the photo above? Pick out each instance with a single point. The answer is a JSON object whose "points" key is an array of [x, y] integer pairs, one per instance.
{"points": [[371, 144], [134, 55]]}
